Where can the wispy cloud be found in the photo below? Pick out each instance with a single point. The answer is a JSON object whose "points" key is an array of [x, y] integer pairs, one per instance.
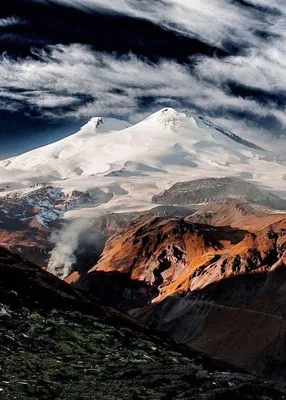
{"points": [[263, 68], [9, 21], [245, 91], [217, 22], [127, 86]]}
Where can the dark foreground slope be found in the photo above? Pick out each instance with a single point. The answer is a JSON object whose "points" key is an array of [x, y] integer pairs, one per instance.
{"points": [[56, 344]]}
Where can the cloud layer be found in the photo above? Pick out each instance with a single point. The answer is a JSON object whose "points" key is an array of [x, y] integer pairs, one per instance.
{"points": [[216, 21], [244, 90]]}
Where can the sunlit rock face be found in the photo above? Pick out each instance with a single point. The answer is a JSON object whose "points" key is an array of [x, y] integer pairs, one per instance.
{"points": [[202, 284]]}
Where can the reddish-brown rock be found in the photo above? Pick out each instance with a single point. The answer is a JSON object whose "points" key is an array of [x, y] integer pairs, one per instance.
{"points": [[220, 289], [177, 255], [165, 252]]}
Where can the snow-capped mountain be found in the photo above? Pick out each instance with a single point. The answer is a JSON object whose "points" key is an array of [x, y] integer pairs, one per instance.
{"points": [[130, 164]]}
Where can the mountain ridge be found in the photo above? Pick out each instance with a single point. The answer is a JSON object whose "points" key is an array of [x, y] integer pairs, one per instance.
{"points": [[132, 164]]}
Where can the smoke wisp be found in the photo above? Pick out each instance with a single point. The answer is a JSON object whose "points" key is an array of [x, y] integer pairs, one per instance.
{"points": [[75, 244]]}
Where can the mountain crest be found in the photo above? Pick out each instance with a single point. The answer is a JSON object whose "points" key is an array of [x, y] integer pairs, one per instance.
{"points": [[169, 142], [93, 124]]}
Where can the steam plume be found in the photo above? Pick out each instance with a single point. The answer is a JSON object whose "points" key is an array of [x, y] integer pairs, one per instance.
{"points": [[63, 256]]}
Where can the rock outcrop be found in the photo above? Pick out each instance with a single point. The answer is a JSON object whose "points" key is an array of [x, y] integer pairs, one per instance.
{"points": [[163, 252], [215, 189], [211, 287]]}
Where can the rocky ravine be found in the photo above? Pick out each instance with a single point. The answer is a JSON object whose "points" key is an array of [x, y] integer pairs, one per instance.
{"points": [[57, 343], [219, 289]]}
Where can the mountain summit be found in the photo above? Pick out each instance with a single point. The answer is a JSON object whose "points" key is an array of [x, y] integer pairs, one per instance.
{"points": [[134, 163], [102, 125]]}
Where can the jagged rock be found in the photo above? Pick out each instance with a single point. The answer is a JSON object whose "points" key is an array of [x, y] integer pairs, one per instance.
{"points": [[193, 278]]}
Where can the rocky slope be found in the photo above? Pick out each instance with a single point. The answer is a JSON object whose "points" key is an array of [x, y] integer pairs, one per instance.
{"points": [[161, 252], [175, 253], [57, 343], [188, 279], [216, 189], [44, 204], [29, 217], [235, 213]]}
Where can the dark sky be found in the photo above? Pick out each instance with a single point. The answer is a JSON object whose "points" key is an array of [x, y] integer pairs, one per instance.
{"points": [[66, 61]]}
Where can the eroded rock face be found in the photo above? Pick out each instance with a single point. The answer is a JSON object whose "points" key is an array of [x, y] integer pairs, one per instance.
{"points": [[177, 255], [211, 287], [164, 252]]}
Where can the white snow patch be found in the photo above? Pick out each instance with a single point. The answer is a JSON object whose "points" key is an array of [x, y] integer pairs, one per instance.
{"points": [[4, 311]]}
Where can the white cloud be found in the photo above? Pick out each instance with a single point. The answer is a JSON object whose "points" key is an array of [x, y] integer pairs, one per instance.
{"points": [[62, 75], [213, 21], [263, 68], [10, 21], [116, 84]]}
